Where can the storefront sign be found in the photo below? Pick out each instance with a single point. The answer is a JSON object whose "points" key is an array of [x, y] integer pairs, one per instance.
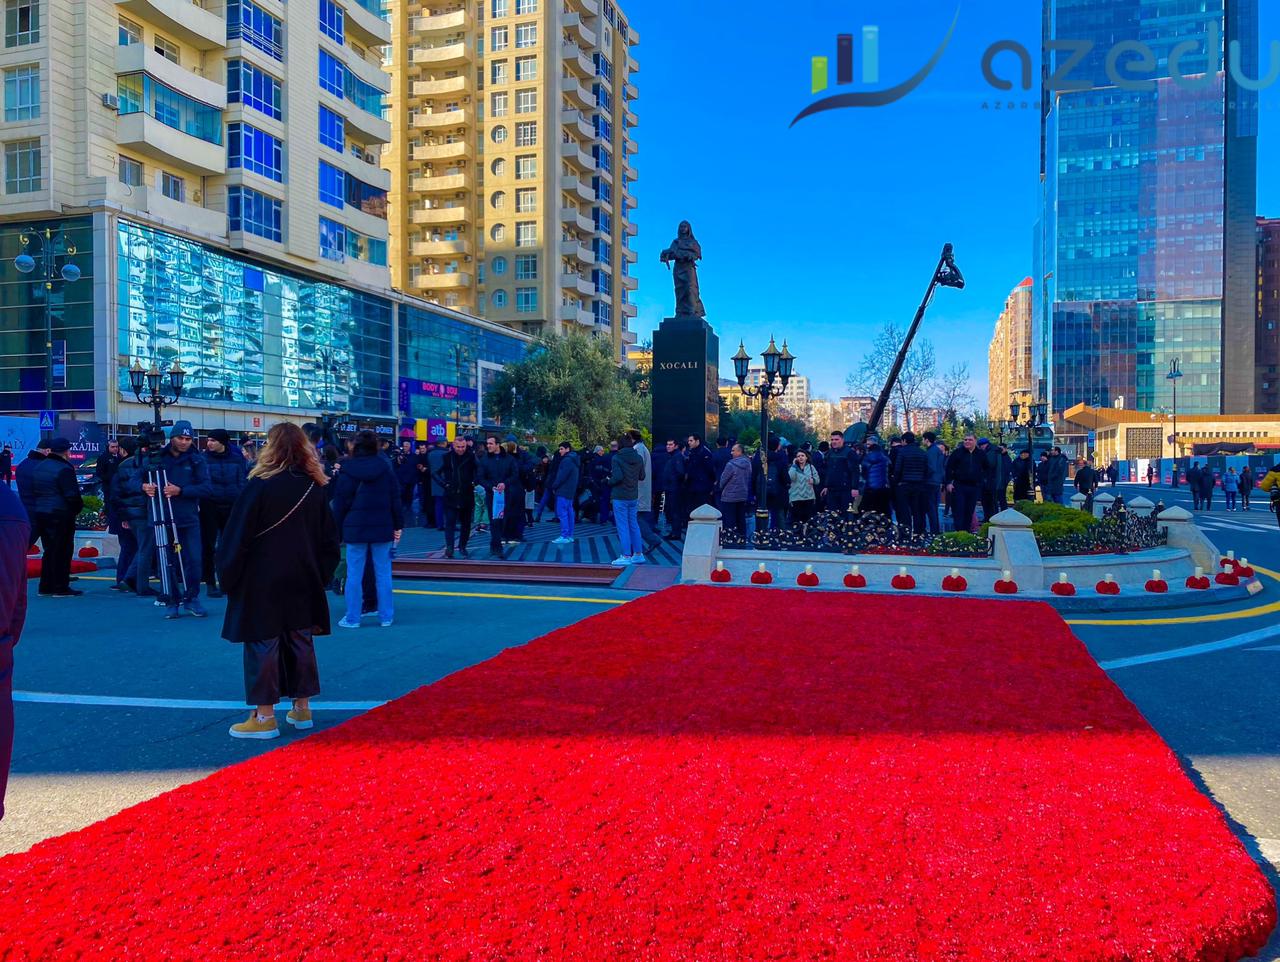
{"points": [[435, 389]]}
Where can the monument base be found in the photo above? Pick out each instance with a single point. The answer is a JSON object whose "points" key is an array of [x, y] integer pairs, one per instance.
{"points": [[685, 379]]}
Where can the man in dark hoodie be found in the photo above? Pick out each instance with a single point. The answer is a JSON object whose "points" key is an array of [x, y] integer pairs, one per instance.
{"points": [[565, 488], [228, 474]]}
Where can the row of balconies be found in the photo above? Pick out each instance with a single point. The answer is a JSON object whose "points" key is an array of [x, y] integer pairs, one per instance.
{"points": [[191, 23], [581, 33]]}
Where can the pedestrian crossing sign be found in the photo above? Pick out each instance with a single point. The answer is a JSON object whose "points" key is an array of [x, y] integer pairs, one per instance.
{"points": [[48, 420]]}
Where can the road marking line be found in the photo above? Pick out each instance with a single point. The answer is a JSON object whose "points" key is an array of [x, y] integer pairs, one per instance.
{"points": [[1262, 634], [507, 597], [1267, 609], [112, 701], [1266, 648]]}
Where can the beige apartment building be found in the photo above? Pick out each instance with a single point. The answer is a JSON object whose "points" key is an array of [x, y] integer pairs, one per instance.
{"points": [[1009, 372], [512, 181]]}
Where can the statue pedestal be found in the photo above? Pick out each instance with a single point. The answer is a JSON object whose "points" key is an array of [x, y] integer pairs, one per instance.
{"points": [[684, 382]]}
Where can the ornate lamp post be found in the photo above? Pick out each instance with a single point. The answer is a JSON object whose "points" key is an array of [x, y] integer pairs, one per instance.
{"points": [[148, 387], [51, 262], [777, 373], [1175, 373], [1037, 415]]}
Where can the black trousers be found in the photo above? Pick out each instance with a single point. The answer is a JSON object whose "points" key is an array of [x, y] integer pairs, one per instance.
{"points": [[875, 499], [283, 667], [455, 517], [673, 509], [989, 503], [57, 537], [735, 516], [913, 504], [964, 500], [802, 512], [213, 518], [838, 499]]}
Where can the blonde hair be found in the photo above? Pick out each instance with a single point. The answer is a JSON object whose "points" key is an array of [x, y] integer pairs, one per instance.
{"points": [[287, 447]]}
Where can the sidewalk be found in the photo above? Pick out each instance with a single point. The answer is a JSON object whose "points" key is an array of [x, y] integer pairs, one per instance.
{"points": [[593, 544]]}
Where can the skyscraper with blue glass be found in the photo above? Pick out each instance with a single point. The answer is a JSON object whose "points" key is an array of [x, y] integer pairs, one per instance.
{"points": [[1145, 247]]}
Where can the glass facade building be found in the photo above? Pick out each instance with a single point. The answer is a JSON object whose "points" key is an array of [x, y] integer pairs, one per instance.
{"points": [[1147, 220]]}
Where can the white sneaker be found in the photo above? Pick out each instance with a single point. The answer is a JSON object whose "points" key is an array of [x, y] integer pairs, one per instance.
{"points": [[639, 559], [621, 562], [563, 541]]}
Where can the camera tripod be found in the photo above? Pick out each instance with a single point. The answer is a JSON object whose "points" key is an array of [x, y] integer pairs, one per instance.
{"points": [[173, 573]]}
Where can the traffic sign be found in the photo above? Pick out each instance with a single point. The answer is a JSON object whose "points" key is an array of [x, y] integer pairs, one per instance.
{"points": [[48, 420]]}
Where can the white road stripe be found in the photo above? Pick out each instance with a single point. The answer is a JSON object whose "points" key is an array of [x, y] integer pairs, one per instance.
{"points": [[112, 701], [1248, 638]]}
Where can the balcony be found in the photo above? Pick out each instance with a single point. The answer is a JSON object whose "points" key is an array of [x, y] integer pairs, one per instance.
{"points": [[368, 71], [364, 166], [628, 310], [628, 337], [629, 92], [629, 282], [439, 118], [577, 93], [142, 133], [441, 248], [585, 285], [629, 228], [630, 118], [628, 254], [360, 124], [571, 248], [589, 7], [572, 153], [572, 314], [435, 88], [459, 150], [449, 53], [365, 23], [576, 119], [442, 282], [575, 218], [141, 58], [186, 21], [572, 184], [449, 183], [576, 60], [453, 20], [569, 280], [440, 215], [629, 172], [583, 34]]}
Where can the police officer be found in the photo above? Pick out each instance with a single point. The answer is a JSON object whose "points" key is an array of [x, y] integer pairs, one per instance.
{"points": [[187, 481]]}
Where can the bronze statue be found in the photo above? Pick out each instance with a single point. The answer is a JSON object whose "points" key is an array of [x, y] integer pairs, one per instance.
{"points": [[685, 252]]}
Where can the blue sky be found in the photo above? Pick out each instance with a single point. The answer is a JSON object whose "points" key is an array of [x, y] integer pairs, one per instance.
{"points": [[823, 231]]}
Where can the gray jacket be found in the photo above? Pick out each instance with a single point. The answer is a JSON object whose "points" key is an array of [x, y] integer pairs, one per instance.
{"points": [[644, 495], [735, 480], [626, 474]]}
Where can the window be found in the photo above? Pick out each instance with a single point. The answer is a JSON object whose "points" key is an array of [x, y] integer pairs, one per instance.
{"points": [[499, 167], [332, 74], [332, 129], [254, 213], [332, 189], [130, 32], [499, 265], [526, 101], [603, 250], [498, 105], [499, 298], [526, 34], [499, 134], [526, 267], [526, 68], [603, 158], [526, 167], [603, 67], [333, 240], [604, 99], [603, 282], [526, 233], [142, 93], [22, 93], [331, 20], [129, 172], [498, 72], [498, 200], [166, 48], [21, 27], [527, 133], [497, 39], [524, 7], [365, 96], [526, 200], [526, 299], [175, 188], [248, 85], [498, 232], [602, 220], [365, 197], [22, 167], [255, 151], [604, 190], [249, 22], [603, 311], [604, 129], [500, 8]]}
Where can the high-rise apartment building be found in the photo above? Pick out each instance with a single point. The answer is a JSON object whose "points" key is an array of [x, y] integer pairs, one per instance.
{"points": [[511, 190], [212, 169], [1147, 236], [794, 400], [1009, 371], [1267, 361]]}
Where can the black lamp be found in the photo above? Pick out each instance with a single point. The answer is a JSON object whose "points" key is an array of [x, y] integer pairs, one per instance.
{"points": [[136, 374], [1014, 410], [785, 364], [741, 361], [176, 378], [771, 358]]}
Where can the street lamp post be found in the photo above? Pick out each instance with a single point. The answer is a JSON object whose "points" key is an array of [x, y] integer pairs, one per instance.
{"points": [[148, 387], [777, 373], [1175, 373], [46, 259], [1037, 416]]}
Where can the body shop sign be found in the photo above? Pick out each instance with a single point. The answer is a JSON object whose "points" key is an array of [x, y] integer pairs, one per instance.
{"points": [[435, 389]]}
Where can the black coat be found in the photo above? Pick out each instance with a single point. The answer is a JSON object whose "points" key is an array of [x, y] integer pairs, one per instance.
{"points": [[228, 474], [275, 579], [55, 489], [366, 502], [127, 500], [699, 476], [26, 477], [911, 466], [966, 468], [456, 479]]}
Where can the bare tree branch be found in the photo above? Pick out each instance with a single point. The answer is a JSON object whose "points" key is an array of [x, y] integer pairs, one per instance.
{"points": [[915, 382]]}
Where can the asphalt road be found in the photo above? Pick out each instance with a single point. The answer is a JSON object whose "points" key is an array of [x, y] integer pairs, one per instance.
{"points": [[1208, 680]]}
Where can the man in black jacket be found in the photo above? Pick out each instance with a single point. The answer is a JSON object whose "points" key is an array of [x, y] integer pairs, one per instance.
{"points": [[911, 476], [57, 502], [673, 486], [228, 474], [25, 475], [699, 474], [840, 482], [965, 470], [1086, 482], [495, 472], [994, 478], [456, 478]]}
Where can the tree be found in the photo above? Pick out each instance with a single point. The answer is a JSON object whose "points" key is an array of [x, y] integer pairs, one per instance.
{"points": [[952, 394], [745, 426], [570, 388], [915, 381]]}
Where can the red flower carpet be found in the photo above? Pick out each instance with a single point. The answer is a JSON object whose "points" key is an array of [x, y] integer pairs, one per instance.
{"points": [[704, 774]]}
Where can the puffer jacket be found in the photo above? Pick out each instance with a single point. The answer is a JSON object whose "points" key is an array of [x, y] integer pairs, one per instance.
{"points": [[366, 502], [228, 474], [875, 469], [127, 498], [626, 471], [735, 482], [188, 471]]}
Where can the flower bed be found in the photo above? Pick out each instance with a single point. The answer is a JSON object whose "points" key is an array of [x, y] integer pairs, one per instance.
{"points": [[832, 532], [772, 781]]}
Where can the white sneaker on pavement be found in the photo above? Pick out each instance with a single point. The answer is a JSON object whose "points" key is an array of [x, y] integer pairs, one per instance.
{"points": [[621, 562], [639, 559]]}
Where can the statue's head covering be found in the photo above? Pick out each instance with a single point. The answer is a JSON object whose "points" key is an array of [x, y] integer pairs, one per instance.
{"points": [[686, 242]]}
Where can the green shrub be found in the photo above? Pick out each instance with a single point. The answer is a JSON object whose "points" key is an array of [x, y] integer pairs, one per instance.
{"points": [[1049, 520]]}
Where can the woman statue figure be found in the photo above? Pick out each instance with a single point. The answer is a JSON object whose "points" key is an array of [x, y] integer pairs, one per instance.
{"points": [[685, 252]]}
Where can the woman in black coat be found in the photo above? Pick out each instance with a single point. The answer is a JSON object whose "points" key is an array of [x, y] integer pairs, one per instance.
{"points": [[277, 553]]}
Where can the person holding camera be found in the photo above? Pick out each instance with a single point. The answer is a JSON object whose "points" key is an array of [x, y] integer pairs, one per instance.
{"points": [[186, 481]]}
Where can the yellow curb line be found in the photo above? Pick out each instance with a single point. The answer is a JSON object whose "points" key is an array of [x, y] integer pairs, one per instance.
{"points": [[1267, 609], [505, 597]]}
